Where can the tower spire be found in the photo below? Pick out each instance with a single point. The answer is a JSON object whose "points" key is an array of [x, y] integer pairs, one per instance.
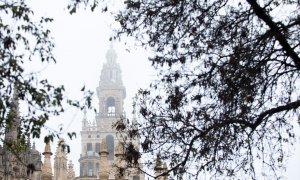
{"points": [[60, 161], [111, 71], [84, 120], [111, 91], [111, 55], [13, 120], [61, 170]]}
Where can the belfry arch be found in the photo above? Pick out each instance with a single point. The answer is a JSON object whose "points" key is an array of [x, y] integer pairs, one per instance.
{"points": [[111, 106]]}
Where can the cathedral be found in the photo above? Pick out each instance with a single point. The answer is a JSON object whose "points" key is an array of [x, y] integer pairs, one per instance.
{"points": [[23, 162], [101, 155], [27, 163]]}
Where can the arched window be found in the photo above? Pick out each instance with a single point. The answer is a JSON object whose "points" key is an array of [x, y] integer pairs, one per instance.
{"points": [[111, 106], [83, 168], [136, 178], [90, 169], [110, 147]]}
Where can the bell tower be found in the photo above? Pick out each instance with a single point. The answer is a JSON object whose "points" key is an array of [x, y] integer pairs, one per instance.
{"points": [[98, 137], [111, 91]]}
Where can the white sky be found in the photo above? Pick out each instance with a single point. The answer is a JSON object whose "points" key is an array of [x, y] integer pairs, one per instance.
{"points": [[81, 44]]}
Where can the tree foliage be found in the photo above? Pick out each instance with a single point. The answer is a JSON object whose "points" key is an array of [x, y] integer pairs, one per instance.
{"points": [[25, 38], [226, 95]]}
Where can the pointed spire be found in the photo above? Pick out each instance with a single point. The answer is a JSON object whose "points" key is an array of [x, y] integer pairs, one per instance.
{"points": [[158, 162], [111, 55], [84, 120], [33, 145], [47, 168], [13, 121], [60, 161], [60, 150], [111, 71]]}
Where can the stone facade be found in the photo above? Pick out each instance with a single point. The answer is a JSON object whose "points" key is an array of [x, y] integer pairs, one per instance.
{"points": [[16, 161]]}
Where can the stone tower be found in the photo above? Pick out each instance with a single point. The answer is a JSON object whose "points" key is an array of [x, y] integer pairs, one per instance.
{"points": [[98, 138], [47, 168]]}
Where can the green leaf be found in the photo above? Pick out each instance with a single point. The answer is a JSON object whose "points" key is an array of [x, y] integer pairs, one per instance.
{"points": [[73, 10]]}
